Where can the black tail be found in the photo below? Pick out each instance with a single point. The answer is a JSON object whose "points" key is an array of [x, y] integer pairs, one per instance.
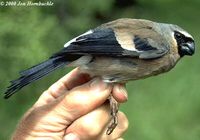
{"points": [[34, 73]]}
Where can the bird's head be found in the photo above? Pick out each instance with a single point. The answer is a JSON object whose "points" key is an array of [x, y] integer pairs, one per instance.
{"points": [[185, 42]]}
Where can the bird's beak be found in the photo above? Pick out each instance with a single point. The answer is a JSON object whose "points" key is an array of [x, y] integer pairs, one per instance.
{"points": [[188, 48]]}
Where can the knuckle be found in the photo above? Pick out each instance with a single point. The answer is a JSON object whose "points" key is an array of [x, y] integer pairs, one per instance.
{"points": [[56, 88], [63, 85]]}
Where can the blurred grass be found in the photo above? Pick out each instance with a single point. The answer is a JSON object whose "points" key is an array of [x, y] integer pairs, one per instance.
{"points": [[162, 107]]}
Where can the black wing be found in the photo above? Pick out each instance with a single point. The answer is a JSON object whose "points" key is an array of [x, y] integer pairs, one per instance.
{"points": [[103, 42]]}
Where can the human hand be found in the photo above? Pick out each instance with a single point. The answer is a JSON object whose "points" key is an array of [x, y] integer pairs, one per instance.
{"points": [[73, 108]]}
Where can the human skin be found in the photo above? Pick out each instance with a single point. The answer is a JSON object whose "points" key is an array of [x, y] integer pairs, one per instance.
{"points": [[73, 108]]}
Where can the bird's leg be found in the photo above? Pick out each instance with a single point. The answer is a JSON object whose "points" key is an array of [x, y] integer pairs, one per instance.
{"points": [[114, 120]]}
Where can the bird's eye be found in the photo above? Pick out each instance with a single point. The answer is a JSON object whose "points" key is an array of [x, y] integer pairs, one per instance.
{"points": [[178, 36]]}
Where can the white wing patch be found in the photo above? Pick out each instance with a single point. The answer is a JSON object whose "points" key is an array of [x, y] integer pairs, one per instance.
{"points": [[74, 39], [125, 40]]}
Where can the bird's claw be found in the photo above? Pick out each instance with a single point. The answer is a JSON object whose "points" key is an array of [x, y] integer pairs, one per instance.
{"points": [[114, 120]]}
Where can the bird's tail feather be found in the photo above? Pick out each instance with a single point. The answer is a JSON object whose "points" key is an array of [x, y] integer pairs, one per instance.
{"points": [[34, 73]]}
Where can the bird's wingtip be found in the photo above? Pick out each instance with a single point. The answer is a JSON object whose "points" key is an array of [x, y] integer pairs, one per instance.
{"points": [[7, 95]]}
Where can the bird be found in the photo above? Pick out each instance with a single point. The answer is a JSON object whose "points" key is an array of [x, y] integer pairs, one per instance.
{"points": [[118, 51]]}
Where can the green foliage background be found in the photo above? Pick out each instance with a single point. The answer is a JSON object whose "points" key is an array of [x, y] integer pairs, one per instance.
{"points": [[164, 107]]}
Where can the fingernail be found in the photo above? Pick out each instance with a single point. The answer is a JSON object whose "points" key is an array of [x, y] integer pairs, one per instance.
{"points": [[122, 90], [97, 83], [71, 136], [120, 139]]}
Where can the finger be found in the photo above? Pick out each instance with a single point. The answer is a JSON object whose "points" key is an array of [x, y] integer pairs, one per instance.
{"points": [[119, 93], [74, 78], [119, 130], [91, 125], [82, 99], [94, 125], [69, 81]]}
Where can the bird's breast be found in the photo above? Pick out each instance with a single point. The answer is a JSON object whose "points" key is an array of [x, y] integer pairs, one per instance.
{"points": [[125, 69]]}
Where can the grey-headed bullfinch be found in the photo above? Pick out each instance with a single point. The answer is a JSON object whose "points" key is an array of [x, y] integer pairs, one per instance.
{"points": [[118, 51]]}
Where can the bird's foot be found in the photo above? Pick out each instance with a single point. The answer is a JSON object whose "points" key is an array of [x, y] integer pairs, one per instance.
{"points": [[114, 120]]}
